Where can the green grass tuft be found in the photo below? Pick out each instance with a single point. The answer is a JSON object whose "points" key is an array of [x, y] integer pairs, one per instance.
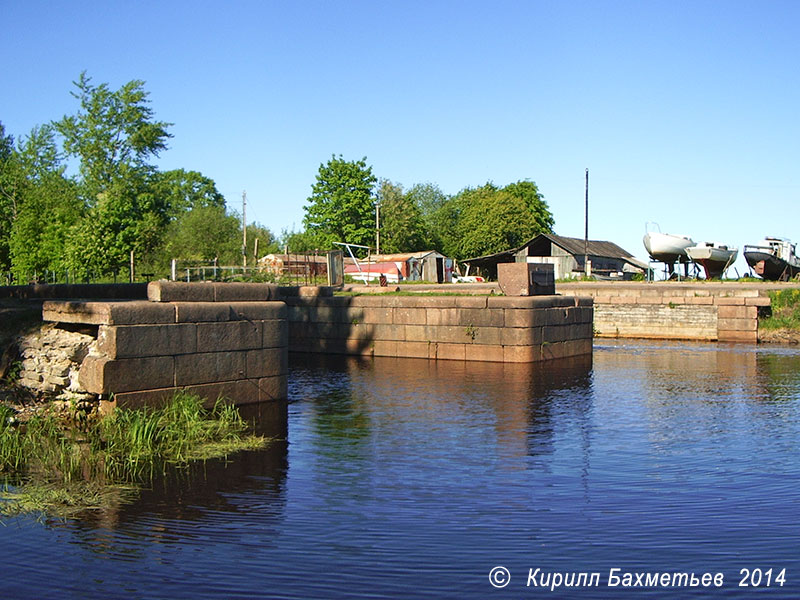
{"points": [[785, 311], [61, 469]]}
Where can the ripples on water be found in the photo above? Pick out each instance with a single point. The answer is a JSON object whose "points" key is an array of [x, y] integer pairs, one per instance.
{"points": [[408, 478]]}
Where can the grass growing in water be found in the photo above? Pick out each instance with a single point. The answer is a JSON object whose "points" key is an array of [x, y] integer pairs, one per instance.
{"points": [[58, 470]]}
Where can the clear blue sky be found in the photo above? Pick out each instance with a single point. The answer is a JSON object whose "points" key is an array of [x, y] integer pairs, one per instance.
{"points": [[685, 113]]}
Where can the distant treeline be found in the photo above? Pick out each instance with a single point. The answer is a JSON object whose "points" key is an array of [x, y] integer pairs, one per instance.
{"points": [[79, 194]]}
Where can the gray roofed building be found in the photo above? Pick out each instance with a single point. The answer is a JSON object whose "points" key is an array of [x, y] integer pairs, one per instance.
{"points": [[567, 255]]}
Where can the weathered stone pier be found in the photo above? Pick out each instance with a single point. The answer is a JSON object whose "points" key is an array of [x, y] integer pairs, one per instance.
{"points": [[234, 339]]}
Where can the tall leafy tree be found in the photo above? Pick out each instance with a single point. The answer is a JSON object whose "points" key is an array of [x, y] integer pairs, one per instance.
{"points": [[402, 229], [42, 204], [183, 190], [205, 233], [113, 134], [491, 220], [437, 215], [529, 193], [6, 196], [341, 206]]}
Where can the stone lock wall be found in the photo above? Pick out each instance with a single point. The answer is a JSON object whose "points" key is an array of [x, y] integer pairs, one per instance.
{"points": [[482, 328], [706, 311], [232, 340], [145, 350]]}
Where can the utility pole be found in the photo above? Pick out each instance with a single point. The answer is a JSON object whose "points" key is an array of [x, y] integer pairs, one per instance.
{"points": [[587, 267], [377, 227], [244, 230]]}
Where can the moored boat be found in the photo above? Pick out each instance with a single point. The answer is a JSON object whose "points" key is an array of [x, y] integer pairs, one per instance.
{"points": [[713, 257], [774, 258]]}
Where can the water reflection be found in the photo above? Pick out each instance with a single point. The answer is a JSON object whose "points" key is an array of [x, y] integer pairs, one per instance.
{"points": [[413, 478], [355, 400]]}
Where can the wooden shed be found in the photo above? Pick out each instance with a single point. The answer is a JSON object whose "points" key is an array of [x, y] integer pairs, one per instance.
{"points": [[566, 254]]}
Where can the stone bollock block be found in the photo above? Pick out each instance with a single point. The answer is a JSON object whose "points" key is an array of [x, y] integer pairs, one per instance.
{"points": [[526, 279]]}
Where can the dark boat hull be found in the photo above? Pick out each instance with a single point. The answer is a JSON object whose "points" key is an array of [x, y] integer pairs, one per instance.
{"points": [[769, 266]]}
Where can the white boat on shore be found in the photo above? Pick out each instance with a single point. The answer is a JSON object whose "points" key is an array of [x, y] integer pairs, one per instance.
{"points": [[667, 248], [715, 258]]}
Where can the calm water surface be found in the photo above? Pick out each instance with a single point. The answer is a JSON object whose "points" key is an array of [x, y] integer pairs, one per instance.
{"points": [[413, 479]]}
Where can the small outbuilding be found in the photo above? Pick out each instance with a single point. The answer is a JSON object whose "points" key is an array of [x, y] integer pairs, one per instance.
{"points": [[566, 254], [427, 265]]}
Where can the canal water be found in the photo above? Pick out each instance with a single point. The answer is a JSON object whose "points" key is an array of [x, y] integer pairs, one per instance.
{"points": [[404, 478]]}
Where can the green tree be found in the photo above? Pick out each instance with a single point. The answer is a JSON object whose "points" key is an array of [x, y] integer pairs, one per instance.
{"points": [[45, 205], [6, 196], [341, 206], [402, 229], [125, 218], [203, 234], [491, 220], [437, 215], [182, 191], [112, 136], [300, 242], [529, 193], [113, 133]]}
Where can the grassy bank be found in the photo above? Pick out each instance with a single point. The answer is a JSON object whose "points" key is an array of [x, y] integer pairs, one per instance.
{"points": [[57, 468], [782, 324], [785, 312]]}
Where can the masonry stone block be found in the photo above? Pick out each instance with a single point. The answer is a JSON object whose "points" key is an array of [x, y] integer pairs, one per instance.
{"points": [[484, 352], [738, 336], [737, 312], [410, 316], [129, 341], [481, 317], [758, 301], [209, 367], [276, 334], [526, 279], [180, 291], [243, 292], [202, 312], [737, 324], [385, 348], [102, 375], [377, 314], [471, 301], [524, 354], [416, 349], [231, 335], [447, 351], [273, 388], [521, 336], [266, 362], [443, 316], [132, 312], [729, 300]]}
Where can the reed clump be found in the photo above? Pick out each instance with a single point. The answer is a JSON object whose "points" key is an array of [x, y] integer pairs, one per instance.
{"points": [[50, 466]]}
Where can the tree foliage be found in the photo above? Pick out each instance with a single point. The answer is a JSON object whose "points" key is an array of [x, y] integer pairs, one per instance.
{"points": [[113, 134], [402, 229], [116, 202], [341, 206]]}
